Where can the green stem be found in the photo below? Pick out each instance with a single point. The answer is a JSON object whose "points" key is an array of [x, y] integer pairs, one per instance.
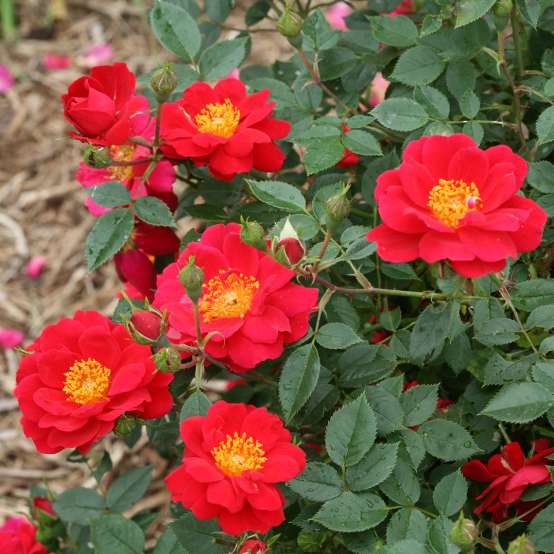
{"points": [[8, 20], [516, 33]]}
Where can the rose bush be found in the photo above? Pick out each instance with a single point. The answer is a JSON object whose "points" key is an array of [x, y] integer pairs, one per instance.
{"points": [[361, 231]]}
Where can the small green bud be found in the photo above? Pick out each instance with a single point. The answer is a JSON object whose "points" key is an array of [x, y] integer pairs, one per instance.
{"points": [[163, 82], [503, 8], [290, 23], [337, 207], [192, 278], [125, 425], [521, 545], [253, 234], [464, 533], [97, 157], [167, 360]]}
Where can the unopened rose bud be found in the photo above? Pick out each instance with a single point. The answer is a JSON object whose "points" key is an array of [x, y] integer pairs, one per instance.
{"points": [[254, 546], [464, 534], [145, 327], [338, 207], [163, 82], [192, 278], [503, 8], [125, 425], [97, 157], [293, 249], [253, 234], [290, 23], [521, 545], [167, 360], [42, 504]]}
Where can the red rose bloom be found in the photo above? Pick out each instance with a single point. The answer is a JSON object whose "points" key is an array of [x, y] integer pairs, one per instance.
{"points": [[254, 546], [233, 457], [248, 301], [134, 267], [224, 128], [43, 504], [405, 8], [293, 249], [100, 105], [509, 474], [18, 536], [451, 200], [83, 374]]}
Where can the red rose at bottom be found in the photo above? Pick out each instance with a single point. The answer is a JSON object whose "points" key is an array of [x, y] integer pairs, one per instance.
{"points": [[509, 474], [233, 457], [254, 546], [18, 536]]}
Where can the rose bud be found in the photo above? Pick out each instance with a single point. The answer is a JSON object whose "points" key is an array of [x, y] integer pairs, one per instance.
{"points": [[125, 425], [43, 504], [337, 207], [290, 23], [521, 545], [464, 533], [98, 158], [254, 546], [192, 278], [503, 8], [253, 234], [148, 325], [290, 244], [133, 266], [163, 82], [167, 360]]}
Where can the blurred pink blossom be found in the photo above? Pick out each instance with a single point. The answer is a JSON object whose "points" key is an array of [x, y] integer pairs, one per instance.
{"points": [[35, 267], [336, 14], [97, 54], [379, 87], [6, 79], [10, 338], [53, 62], [235, 74]]}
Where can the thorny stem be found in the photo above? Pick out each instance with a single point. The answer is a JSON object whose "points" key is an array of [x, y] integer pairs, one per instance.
{"points": [[322, 250], [504, 434], [516, 33]]}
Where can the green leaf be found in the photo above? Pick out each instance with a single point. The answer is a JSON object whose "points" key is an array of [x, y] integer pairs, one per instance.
{"points": [[534, 293], [280, 92], [450, 494], [541, 530], [460, 77], [519, 403], [153, 211], [322, 154], [407, 524], [399, 31], [531, 11], [168, 544], [221, 58], [364, 363], [414, 446], [335, 63], [110, 195], [419, 404], [541, 316], [128, 489], [402, 486], [113, 534], [373, 468], [469, 104], [351, 512], [79, 505], [197, 404], [400, 114], [197, 535], [431, 24], [545, 126], [434, 101], [350, 432], [337, 336], [218, 10], [447, 440], [175, 29], [500, 330], [419, 65], [547, 345], [469, 11], [362, 142], [110, 232], [541, 176], [408, 546], [387, 408], [278, 194], [298, 379], [317, 32], [319, 482]]}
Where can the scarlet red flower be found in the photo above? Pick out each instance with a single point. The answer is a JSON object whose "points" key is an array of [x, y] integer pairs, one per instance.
{"points": [[405, 8], [254, 546], [248, 301], [84, 372], [18, 536], [224, 128], [451, 200], [133, 266], [509, 474], [101, 105], [233, 457]]}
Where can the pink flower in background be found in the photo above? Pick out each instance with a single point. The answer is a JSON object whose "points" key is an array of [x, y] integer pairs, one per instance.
{"points": [[35, 267], [336, 14], [379, 87], [53, 62], [10, 338], [235, 74], [97, 54], [6, 79]]}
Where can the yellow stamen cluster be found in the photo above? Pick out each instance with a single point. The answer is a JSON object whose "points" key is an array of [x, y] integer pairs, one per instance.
{"points": [[220, 118], [451, 200], [227, 295], [87, 381], [237, 454], [124, 153]]}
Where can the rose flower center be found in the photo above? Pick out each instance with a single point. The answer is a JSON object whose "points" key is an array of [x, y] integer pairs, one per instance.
{"points": [[87, 381], [227, 295], [219, 119], [237, 454], [124, 153], [451, 200]]}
